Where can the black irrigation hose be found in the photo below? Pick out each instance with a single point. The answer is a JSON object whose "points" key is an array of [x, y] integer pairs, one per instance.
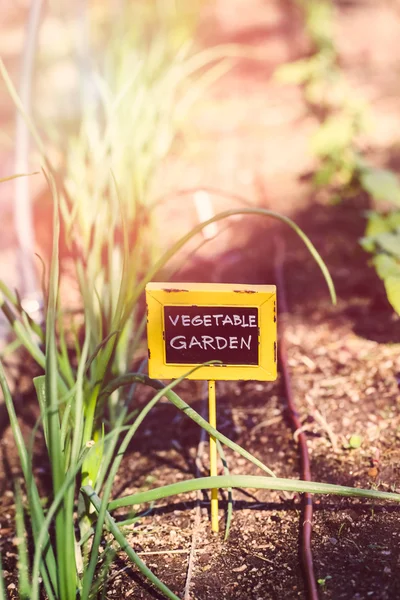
{"points": [[305, 471]]}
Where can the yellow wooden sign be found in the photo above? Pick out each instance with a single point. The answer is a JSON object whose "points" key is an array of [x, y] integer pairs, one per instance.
{"points": [[192, 323]]}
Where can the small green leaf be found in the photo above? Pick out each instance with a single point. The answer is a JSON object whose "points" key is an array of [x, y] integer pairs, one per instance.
{"points": [[295, 72], [386, 266], [389, 242], [381, 185], [325, 174], [393, 220], [392, 286], [377, 224], [355, 441], [320, 21], [334, 136], [367, 244]]}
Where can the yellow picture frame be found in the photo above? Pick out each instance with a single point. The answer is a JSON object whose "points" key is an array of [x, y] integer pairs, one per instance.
{"points": [[210, 295]]}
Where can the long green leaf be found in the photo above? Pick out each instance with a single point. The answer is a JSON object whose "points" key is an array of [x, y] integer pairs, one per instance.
{"points": [[64, 518], [3, 179], [249, 481], [40, 387], [78, 408], [220, 216]]}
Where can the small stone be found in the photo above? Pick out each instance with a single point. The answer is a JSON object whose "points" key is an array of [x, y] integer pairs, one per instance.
{"points": [[333, 540], [387, 570]]}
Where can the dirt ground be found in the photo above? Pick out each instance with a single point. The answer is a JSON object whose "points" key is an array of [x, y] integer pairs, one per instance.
{"points": [[253, 139]]}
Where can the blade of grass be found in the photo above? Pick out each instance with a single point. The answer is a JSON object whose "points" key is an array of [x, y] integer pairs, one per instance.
{"points": [[220, 216], [23, 334], [10, 177], [27, 331], [63, 359], [249, 481], [10, 348], [233, 481], [20, 107], [78, 408], [40, 387], [64, 518], [7, 293], [125, 254], [204, 82], [222, 51], [98, 348], [66, 418]]}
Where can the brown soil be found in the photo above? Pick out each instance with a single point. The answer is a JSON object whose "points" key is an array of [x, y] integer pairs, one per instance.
{"points": [[344, 360]]}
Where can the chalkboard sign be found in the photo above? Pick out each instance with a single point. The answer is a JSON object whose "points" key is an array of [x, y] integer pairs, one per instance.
{"points": [[189, 324], [196, 334]]}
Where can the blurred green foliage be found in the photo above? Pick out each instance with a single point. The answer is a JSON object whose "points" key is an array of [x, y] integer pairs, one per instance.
{"points": [[342, 119]]}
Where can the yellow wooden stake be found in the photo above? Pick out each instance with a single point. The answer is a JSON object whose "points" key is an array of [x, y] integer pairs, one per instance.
{"points": [[212, 417]]}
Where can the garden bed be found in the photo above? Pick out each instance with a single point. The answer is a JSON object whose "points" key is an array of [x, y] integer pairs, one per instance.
{"points": [[344, 368]]}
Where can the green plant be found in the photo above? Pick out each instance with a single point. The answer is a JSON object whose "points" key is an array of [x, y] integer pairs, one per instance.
{"points": [[146, 83], [355, 441], [335, 143], [71, 398], [323, 580], [382, 239], [320, 69], [342, 117]]}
